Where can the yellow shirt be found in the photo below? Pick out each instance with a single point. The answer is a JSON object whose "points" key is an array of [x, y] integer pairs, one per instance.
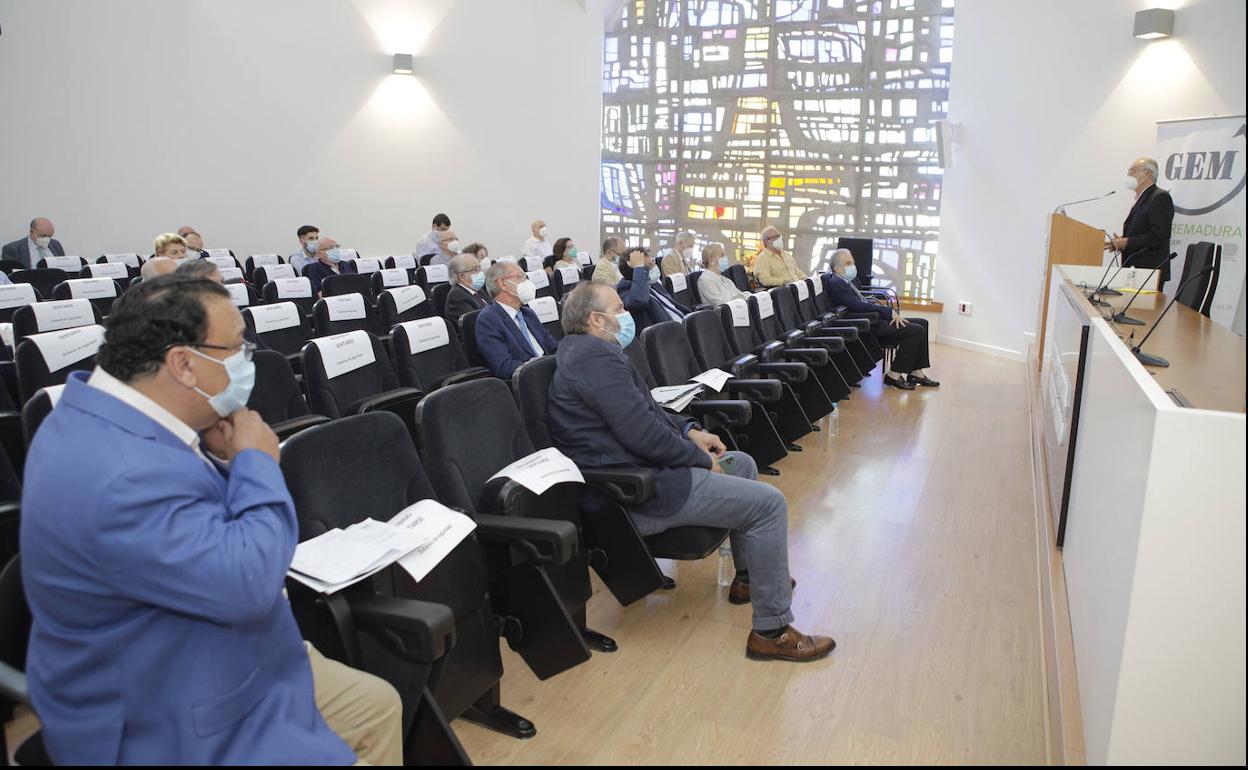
{"points": [[772, 269]]}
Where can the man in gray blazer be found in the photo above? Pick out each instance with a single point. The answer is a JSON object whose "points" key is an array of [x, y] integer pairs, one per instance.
{"points": [[37, 245]]}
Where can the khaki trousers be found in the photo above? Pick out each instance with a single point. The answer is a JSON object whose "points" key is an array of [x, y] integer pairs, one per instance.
{"points": [[364, 710]]}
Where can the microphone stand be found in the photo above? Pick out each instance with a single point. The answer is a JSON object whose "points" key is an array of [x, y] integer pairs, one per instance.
{"points": [[1092, 297], [1147, 358], [1062, 208], [1104, 288], [1121, 316]]}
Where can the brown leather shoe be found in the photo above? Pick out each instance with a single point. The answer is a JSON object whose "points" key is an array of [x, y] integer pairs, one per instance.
{"points": [[739, 593], [790, 645]]}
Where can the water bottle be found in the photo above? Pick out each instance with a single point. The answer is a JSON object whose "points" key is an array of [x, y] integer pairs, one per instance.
{"points": [[726, 570], [834, 422]]}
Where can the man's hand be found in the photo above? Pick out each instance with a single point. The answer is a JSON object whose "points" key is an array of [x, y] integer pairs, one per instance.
{"points": [[636, 258], [244, 429], [899, 322], [715, 465], [709, 443], [1118, 243]]}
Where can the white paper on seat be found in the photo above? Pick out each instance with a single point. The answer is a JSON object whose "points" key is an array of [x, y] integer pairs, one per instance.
{"points": [[435, 273], [350, 254], [394, 277], [509, 258], [62, 314], [803, 291], [765, 309], [213, 253], [271, 318], [338, 558], [68, 264], [92, 288], [68, 346], [230, 274], [570, 275], [238, 294], [818, 282], [712, 378], [679, 282], [274, 272], [54, 393], [539, 278], [344, 353], [585, 258], [16, 295], [261, 260], [366, 265], [405, 261], [438, 529], [109, 270], [542, 470], [426, 334], [290, 288], [546, 308], [345, 307], [222, 262], [740, 312], [6, 334], [675, 397], [128, 259], [406, 297]]}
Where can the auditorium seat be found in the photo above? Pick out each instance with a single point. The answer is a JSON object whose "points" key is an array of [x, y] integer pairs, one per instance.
{"points": [[768, 328], [746, 337], [44, 279], [281, 327], [677, 284], [48, 358], [427, 355], [798, 311], [100, 292], [15, 618], [242, 295], [351, 374], [389, 278], [403, 303], [260, 260], [277, 396], [348, 283], [37, 408], [297, 290], [563, 281], [468, 335], [13, 296], [223, 261], [338, 314], [438, 295], [53, 315], [7, 266], [789, 322], [69, 264], [429, 276], [541, 282], [736, 273], [547, 310], [118, 271], [823, 304], [266, 273]]}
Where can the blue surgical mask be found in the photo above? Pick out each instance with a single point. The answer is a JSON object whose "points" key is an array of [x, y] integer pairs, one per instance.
{"points": [[723, 264], [851, 272], [242, 374], [310, 247], [655, 275], [334, 255], [628, 329], [478, 280]]}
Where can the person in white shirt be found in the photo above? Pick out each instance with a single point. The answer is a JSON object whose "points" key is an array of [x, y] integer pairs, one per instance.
{"points": [[537, 247], [429, 244], [448, 246], [714, 288], [308, 236]]}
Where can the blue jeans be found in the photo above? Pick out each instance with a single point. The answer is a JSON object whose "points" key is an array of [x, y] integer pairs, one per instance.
{"points": [[758, 519]]}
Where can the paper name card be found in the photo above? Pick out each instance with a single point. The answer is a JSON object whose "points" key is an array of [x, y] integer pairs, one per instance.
{"points": [[404, 261], [261, 260], [230, 274], [435, 274], [569, 275], [271, 318], [542, 470], [63, 314], [406, 297], [92, 288], [803, 291], [363, 266], [539, 278], [715, 379], [219, 253], [6, 334], [69, 346], [222, 262], [350, 254], [116, 270], [394, 277], [238, 294], [679, 282], [438, 529], [273, 272], [292, 288], [343, 353], [765, 308], [426, 334], [68, 264], [345, 307], [509, 258], [546, 308], [740, 312], [818, 282], [16, 295], [585, 258], [125, 259], [675, 397]]}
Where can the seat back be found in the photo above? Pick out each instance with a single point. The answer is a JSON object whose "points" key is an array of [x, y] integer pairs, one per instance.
{"points": [[426, 352], [7, 266], [37, 409], [636, 352], [260, 260], [242, 295], [281, 326], [668, 352], [70, 264], [541, 282], [694, 295], [403, 303], [118, 271], [263, 274], [53, 316], [677, 284], [342, 313], [439, 297], [402, 262], [468, 336], [736, 273], [13, 296], [763, 317], [547, 310], [863, 250], [276, 395], [707, 339], [15, 616], [564, 280], [429, 276], [48, 358], [223, 261], [368, 265], [389, 278], [344, 369], [101, 292], [784, 298], [44, 279], [348, 283], [1198, 295], [805, 298], [531, 385], [297, 290], [734, 319], [587, 273]]}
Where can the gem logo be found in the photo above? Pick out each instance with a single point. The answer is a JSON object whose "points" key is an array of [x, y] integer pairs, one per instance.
{"points": [[1203, 181]]}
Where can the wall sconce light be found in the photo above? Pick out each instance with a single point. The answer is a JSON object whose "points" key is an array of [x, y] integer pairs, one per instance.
{"points": [[402, 64], [1154, 23]]}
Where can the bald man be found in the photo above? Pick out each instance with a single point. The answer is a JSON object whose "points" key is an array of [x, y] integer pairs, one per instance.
{"points": [[157, 266], [537, 247], [1145, 239], [773, 265], [38, 244]]}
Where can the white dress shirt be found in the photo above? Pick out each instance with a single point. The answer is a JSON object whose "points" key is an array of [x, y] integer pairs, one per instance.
{"points": [[717, 289], [430, 244], [37, 252], [537, 247]]}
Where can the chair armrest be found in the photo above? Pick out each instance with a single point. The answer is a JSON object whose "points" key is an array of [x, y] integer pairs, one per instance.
{"points": [[845, 331], [811, 356], [555, 541], [863, 325], [13, 685], [732, 412], [831, 344], [786, 370], [386, 401], [762, 389], [627, 486], [463, 375], [287, 428], [743, 365], [792, 337], [416, 631], [871, 316]]}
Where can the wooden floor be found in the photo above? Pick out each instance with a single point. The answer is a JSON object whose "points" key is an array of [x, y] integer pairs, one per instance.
{"points": [[912, 538]]}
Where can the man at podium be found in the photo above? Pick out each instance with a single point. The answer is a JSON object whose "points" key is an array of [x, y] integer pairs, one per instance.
{"points": [[1145, 239]]}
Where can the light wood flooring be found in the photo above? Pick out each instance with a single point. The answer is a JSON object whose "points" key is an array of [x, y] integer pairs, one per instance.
{"points": [[912, 538]]}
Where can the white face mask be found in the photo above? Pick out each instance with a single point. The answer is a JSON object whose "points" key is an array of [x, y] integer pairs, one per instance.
{"points": [[541, 232], [777, 243], [1130, 183], [526, 292], [452, 246], [687, 254], [43, 241]]}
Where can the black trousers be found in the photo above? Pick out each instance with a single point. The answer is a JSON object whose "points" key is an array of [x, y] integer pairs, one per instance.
{"points": [[911, 342]]}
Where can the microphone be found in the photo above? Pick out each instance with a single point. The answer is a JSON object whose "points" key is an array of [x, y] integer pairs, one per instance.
{"points": [[1121, 316], [1149, 359], [1062, 208], [1092, 297], [1104, 288]]}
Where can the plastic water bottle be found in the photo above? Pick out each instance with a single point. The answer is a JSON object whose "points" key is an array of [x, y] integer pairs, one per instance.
{"points": [[726, 570], [834, 423]]}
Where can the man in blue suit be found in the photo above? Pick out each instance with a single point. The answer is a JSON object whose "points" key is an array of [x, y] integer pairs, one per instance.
{"points": [[156, 533], [38, 244], [508, 333], [644, 295]]}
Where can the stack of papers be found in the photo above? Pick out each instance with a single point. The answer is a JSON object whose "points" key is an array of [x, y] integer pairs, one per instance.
{"points": [[418, 538], [675, 397]]}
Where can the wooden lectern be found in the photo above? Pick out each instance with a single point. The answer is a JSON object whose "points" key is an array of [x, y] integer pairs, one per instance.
{"points": [[1070, 242]]}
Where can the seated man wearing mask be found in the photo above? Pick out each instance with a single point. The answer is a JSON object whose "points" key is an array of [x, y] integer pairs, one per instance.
{"points": [[308, 236], [328, 262], [601, 415], [606, 268], [536, 248], [194, 241], [773, 266], [644, 294], [508, 333], [467, 292], [713, 287], [156, 535], [38, 244], [429, 243], [680, 258], [910, 361], [448, 246]]}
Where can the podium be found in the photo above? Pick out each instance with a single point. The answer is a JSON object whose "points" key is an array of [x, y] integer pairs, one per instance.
{"points": [[1069, 242]]}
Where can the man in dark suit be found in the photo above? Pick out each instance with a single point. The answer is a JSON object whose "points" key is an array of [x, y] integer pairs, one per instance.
{"points": [[643, 293], [37, 245], [1145, 239], [508, 333], [910, 361], [467, 293], [601, 414], [328, 262]]}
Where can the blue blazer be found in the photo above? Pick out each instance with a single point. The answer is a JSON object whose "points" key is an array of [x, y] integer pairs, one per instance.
{"points": [[317, 271], [638, 298], [19, 251], [600, 414], [841, 292], [500, 342], [160, 634]]}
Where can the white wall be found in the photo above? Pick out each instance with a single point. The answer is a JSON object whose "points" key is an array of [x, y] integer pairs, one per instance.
{"points": [[248, 118], [1051, 101]]}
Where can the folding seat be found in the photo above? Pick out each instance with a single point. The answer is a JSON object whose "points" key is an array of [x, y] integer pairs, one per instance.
{"points": [[429, 276], [70, 264], [260, 260], [13, 296], [736, 273], [37, 408], [542, 283], [427, 355], [48, 358], [343, 313], [242, 295], [547, 310], [472, 430], [348, 283], [827, 323], [44, 279], [677, 284], [367, 265], [587, 273], [220, 253], [223, 261], [389, 278], [351, 374], [468, 336], [563, 281], [100, 292], [263, 274], [742, 321], [10, 531], [15, 618], [694, 295], [403, 262], [768, 328], [53, 315], [818, 306], [277, 396], [7, 266], [297, 290], [117, 271], [439, 297], [494, 581], [403, 303], [12, 437], [129, 259], [784, 300], [281, 327]]}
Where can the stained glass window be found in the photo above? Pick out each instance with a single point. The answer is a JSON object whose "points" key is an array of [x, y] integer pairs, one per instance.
{"points": [[817, 116]]}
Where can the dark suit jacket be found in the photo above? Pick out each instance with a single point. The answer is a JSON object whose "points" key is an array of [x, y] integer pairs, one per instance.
{"points": [[637, 294], [1147, 230], [318, 271], [500, 341], [19, 251], [461, 300], [842, 292], [600, 414]]}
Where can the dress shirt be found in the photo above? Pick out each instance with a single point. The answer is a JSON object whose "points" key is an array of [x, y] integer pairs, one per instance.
{"points": [[716, 289], [774, 269], [538, 248], [37, 252], [430, 244], [518, 317], [607, 271]]}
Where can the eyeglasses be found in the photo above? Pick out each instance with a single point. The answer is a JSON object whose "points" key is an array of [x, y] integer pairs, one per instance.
{"points": [[248, 347]]}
